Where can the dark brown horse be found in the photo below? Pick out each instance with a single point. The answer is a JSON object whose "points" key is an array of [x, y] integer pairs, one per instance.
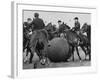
{"points": [[84, 44], [38, 44], [87, 29], [73, 39], [86, 39], [26, 37], [52, 31]]}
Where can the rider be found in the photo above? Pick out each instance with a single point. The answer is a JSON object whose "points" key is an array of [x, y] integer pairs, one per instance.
{"points": [[76, 27], [27, 26], [60, 25], [38, 22], [61, 28]]}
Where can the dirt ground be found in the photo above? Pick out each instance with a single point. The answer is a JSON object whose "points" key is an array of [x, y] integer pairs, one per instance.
{"points": [[70, 63], [62, 64]]}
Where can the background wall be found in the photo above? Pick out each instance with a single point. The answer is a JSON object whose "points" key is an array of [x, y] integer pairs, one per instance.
{"points": [[53, 17], [5, 38]]}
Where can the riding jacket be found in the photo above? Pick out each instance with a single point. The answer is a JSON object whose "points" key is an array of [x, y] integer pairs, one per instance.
{"points": [[77, 26], [38, 24]]}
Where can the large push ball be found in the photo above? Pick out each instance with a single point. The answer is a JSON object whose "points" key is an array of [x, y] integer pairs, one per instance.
{"points": [[58, 50]]}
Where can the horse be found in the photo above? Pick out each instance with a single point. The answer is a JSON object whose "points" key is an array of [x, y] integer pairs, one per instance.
{"points": [[71, 36], [73, 39], [25, 37], [84, 44], [52, 31], [27, 31], [87, 29], [38, 44], [86, 40], [82, 40], [61, 29]]}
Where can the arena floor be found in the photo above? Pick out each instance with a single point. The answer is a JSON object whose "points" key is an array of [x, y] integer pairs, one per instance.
{"points": [[76, 63]]}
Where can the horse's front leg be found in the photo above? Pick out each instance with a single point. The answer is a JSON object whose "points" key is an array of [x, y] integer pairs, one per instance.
{"points": [[31, 54], [72, 52], [24, 56], [45, 59], [31, 57], [82, 47], [78, 52], [90, 56], [89, 52], [46, 55]]}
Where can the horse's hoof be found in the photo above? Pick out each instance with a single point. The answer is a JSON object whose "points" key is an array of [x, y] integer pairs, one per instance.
{"points": [[43, 61], [35, 66], [80, 60]]}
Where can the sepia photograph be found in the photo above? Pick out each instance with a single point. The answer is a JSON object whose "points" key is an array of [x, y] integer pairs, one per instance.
{"points": [[55, 39]]}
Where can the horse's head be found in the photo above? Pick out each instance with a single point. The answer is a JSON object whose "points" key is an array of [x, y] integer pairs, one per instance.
{"points": [[50, 27], [84, 28]]}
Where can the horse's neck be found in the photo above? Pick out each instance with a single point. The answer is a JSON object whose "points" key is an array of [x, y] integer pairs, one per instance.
{"points": [[88, 30]]}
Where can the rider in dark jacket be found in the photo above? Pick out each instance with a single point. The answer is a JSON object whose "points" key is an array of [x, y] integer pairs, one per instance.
{"points": [[62, 26], [38, 22], [76, 25]]}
